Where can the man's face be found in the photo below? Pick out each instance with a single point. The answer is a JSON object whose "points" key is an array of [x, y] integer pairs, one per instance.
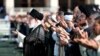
{"points": [[81, 20], [29, 17], [96, 28], [30, 21], [76, 11]]}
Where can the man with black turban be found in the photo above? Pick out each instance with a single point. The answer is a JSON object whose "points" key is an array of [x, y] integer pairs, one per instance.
{"points": [[88, 9], [34, 42]]}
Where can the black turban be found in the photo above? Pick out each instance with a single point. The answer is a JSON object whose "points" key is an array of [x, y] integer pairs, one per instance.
{"points": [[88, 9], [35, 14]]}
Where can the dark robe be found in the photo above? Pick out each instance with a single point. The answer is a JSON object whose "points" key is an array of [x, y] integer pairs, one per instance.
{"points": [[34, 43], [24, 29], [49, 43], [13, 26], [72, 49]]}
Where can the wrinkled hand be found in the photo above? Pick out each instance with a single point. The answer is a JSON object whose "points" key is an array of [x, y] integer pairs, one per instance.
{"points": [[64, 37], [71, 24], [63, 23], [63, 31], [51, 22], [82, 37]]}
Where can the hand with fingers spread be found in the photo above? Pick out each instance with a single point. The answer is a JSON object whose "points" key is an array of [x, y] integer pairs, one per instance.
{"points": [[64, 24], [84, 40], [64, 39], [81, 35], [64, 36]]}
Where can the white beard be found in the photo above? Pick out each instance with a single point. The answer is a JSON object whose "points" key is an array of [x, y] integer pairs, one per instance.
{"points": [[34, 25]]}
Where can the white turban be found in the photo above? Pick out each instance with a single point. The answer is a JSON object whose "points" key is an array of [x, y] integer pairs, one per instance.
{"points": [[68, 17]]}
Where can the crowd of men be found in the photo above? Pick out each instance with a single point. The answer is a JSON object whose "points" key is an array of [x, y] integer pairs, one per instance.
{"points": [[60, 33]]}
